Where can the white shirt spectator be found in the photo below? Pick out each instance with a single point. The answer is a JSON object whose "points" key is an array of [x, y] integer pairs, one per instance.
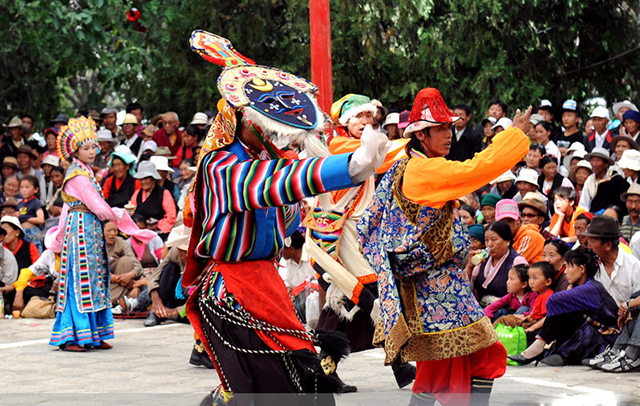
{"points": [[8, 267], [625, 278]]}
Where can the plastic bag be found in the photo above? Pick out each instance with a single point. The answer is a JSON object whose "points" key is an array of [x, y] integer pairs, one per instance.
{"points": [[514, 340]]}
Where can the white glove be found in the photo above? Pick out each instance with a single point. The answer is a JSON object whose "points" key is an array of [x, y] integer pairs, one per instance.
{"points": [[370, 155]]}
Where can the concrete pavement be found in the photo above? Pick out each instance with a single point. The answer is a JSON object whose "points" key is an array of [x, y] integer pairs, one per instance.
{"points": [[149, 366]]}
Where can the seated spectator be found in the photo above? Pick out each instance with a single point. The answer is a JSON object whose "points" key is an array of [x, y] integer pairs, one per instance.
{"points": [[489, 278], [31, 212], [579, 176], [533, 157], [541, 134], [527, 240], [48, 164], [120, 185], [9, 208], [629, 164], [163, 282], [624, 356], [581, 225], [54, 207], [580, 321], [604, 186], [565, 213], [487, 132], [550, 180], [148, 254], [24, 251], [9, 168], [190, 138], [38, 280], [619, 271], [519, 298], [553, 253], [488, 208], [11, 189], [8, 274], [570, 121], [165, 172], [620, 144], [50, 136], [575, 153], [468, 214], [533, 211], [631, 123], [186, 171], [504, 185], [26, 156], [146, 199], [601, 136], [123, 263], [631, 222], [527, 182], [541, 281]]}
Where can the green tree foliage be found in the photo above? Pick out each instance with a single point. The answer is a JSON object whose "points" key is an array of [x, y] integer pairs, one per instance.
{"points": [[472, 50]]}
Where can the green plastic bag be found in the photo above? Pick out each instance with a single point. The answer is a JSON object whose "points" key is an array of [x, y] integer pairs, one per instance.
{"points": [[514, 340]]}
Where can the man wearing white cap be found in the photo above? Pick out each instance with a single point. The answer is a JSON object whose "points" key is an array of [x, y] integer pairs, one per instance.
{"points": [[604, 186], [107, 142], [570, 121], [601, 137], [504, 185], [131, 138], [527, 182], [200, 120]]}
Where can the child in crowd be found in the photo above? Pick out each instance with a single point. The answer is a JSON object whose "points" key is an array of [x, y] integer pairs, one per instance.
{"points": [[11, 189], [54, 204], [30, 208], [553, 253], [541, 279], [520, 297], [580, 321], [566, 211]]}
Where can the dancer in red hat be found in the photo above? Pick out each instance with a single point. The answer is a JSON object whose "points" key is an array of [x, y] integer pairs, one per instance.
{"points": [[414, 238]]}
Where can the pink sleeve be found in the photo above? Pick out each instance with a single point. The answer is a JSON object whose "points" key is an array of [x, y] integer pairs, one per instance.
{"points": [[82, 189], [490, 310], [168, 204]]}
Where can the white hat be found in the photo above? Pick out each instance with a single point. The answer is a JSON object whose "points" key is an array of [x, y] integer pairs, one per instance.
{"points": [[545, 103], [179, 237], [616, 107], [600, 152], [161, 163], [14, 221], [51, 160], [576, 146], [149, 145], [392, 118], [503, 122], [106, 135], [130, 119], [199, 119], [528, 175], [579, 154], [508, 175], [630, 159], [147, 169], [536, 118], [601, 112], [585, 164]]}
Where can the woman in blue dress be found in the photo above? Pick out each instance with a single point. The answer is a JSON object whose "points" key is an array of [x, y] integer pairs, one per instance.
{"points": [[83, 305]]}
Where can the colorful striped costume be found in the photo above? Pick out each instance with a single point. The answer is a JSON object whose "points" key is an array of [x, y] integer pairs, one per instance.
{"points": [[243, 209]]}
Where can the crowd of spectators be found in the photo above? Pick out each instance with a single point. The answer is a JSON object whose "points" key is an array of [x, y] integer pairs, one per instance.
{"points": [[522, 226]]}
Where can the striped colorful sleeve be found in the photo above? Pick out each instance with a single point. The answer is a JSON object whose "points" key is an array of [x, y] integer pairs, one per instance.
{"points": [[248, 185]]}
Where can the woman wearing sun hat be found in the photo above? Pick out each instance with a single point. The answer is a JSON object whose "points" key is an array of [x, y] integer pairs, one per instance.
{"points": [[83, 304]]}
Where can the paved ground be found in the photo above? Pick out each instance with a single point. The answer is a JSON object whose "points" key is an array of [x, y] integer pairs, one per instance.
{"points": [[149, 366]]}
